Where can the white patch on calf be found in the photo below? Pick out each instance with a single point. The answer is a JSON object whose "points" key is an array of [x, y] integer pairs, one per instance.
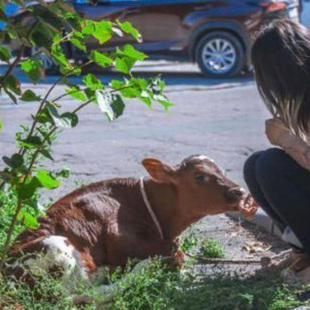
{"points": [[59, 253], [203, 157]]}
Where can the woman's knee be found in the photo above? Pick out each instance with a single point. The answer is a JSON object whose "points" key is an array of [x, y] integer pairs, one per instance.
{"points": [[271, 163], [249, 166]]}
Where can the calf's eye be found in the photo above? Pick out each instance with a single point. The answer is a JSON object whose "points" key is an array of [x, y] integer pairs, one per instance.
{"points": [[200, 179]]}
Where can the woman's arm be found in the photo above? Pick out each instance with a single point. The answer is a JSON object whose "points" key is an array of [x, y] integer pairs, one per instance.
{"points": [[296, 147]]}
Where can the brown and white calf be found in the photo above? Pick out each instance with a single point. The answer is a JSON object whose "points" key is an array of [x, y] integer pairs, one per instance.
{"points": [[109, 222]]}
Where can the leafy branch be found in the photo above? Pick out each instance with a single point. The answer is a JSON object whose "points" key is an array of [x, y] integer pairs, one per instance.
{"points": [[52, 25]]}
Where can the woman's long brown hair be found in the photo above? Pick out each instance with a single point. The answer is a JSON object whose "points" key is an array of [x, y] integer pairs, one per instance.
{"points": [[281, 60]]}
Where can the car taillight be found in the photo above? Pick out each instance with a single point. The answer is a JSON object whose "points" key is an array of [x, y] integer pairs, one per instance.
{"points": [[273, 6]]}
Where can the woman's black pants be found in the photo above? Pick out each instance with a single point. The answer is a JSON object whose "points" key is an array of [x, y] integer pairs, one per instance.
{"points": [[282, 189]]}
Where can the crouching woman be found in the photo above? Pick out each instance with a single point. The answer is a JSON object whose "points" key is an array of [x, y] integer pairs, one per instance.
{"points": [[279, 178]]}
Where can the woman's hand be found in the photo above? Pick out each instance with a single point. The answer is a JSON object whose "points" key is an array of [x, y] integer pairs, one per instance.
{"points": [[275, 131], [248, 206]]}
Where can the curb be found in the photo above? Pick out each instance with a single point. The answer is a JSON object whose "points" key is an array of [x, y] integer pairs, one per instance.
{"points": [[260, 219]]}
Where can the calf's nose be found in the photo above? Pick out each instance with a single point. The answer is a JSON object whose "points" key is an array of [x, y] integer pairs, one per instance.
{"points": [[237, 191]]}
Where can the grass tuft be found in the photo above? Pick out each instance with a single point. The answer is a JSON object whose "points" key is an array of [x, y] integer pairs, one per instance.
{"points": [[211, 248]]}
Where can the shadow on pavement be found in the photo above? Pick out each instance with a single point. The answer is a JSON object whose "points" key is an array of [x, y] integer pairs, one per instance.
{"points": [[173, 75]]}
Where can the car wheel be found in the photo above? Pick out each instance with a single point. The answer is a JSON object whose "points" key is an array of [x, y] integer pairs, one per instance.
{"points": [[220, 54], [48, 65]]}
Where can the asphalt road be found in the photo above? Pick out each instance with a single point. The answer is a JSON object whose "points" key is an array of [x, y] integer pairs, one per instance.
{"points": [[220, 118]]}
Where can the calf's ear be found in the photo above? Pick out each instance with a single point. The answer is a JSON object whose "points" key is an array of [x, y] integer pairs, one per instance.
{"points": [[159, 171]]}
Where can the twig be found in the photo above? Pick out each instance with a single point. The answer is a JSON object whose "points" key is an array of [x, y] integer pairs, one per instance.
{"points": [[264, 261], [204, 260]]}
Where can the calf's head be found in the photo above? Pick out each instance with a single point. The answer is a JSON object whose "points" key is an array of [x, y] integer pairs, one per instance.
{"points": [[202, 187]]}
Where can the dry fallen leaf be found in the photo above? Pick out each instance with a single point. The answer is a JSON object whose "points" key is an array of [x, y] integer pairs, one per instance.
{"points": [[254, 247]]}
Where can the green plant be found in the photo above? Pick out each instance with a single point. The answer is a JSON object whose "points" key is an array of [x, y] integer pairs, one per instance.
{"points": [[47, 294], [226, 292], [53, 25], [189, 242], [212, 249], [154, 287]]}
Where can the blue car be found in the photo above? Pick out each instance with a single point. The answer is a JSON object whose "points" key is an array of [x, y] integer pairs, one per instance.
{"points": [[215, 34]]}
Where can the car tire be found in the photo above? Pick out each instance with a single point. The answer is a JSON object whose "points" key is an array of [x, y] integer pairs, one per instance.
{"points": [[48, 65], [220, 54]]}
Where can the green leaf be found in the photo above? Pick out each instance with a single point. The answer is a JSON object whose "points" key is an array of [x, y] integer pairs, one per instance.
{"points": [[130, 92], [91, 94], [76, 93], [77, 39], [13, 98], [1, 125], [55, 116], [6, 176], [92, 82], [28, 189], [124, 64], [66, 120], [126, 58], [131, 52], [32, 142], [13, 84], [102, 30], [46, 154], [60, 58], [51, 21], [41, 37], [71, 119], [101, 59], [116, 84], [128, 28], [33, 68], [16, 161], [64, 173], [117, 105], [46, 180], [110, 104], [88, 27], [28, 220], [29, 95], [44, 117], [72, 18], [5, 54]]}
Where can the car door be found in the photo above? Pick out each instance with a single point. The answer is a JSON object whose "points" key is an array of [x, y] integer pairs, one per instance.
{"points": [[161, 25], [165, 23]]}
